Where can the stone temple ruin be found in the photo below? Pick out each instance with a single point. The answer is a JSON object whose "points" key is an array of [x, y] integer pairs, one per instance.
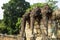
{"points": [[40, 24]]}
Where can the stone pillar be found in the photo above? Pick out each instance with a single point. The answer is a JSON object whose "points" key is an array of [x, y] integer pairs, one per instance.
{"points": [[32, 23], [23, 23], [44, 27], [32, 20], [49, 28], [37, 31], [28, 31]]}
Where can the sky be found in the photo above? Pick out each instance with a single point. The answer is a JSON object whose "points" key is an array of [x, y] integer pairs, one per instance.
{"points": [[30, 1]]}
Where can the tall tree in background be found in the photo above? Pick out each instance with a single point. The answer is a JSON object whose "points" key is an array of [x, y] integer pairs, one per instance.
{"points": [[13, 10]]}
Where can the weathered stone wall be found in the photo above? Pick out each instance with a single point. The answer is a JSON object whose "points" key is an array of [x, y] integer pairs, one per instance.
{"points": [[46, 30], [9, 37], [37, 32]]}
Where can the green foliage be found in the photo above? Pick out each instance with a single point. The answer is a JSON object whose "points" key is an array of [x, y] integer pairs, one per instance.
{"points": [[13, 10], [37, 5], [2, 27], [34, 6], [52, 4], [19, 22]]}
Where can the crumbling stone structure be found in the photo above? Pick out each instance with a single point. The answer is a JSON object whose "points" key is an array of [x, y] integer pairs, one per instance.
{"points": [[38, 23]]}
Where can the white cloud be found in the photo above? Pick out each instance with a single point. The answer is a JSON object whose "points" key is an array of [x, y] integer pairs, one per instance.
{"points": [[35, 1], [58, 4]]}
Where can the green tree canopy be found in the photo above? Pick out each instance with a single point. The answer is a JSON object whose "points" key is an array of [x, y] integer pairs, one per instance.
{"points": [[13, 10]]}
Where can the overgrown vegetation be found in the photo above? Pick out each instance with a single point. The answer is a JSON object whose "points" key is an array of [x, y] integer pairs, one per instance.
{"points": [[13, 11]]}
